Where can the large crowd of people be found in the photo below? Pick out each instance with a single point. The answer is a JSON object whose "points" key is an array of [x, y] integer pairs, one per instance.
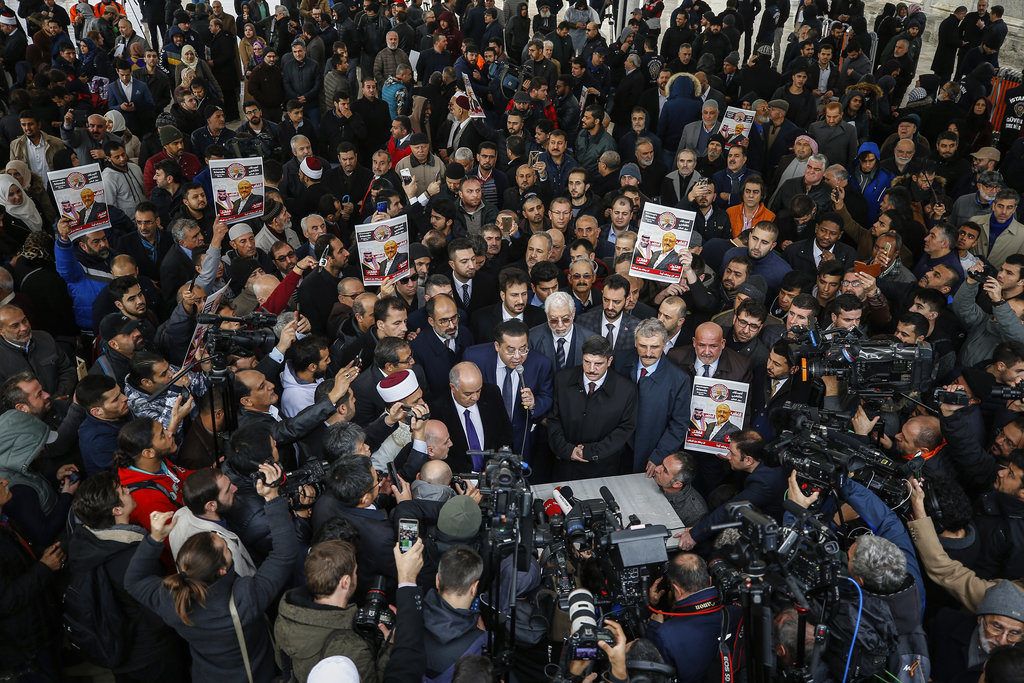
{"points": [[147, 526]]}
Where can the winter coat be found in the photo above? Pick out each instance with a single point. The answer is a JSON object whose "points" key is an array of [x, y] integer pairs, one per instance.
{"points": [[450, 634], [211, 637], [29, 619], [301, 79], [187, 525], [160, 492], [682, 107], [86, 277], [308, 632], [876, 187], [151, 641], [44, 359]]}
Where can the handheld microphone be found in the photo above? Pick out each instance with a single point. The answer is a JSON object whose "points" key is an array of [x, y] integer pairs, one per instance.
{"points": [[551, 507], [609, 499], [562, 495], [522, 385]]}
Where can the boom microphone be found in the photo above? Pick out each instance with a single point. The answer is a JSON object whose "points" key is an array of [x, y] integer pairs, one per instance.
{"points": [[609, 500]]}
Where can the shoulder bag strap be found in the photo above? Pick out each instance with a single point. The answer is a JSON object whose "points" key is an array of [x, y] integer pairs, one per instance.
{"points": [[240, 636]]}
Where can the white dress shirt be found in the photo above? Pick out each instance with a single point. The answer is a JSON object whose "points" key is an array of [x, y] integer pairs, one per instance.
{"points": [[698, 366], [474, 417]]}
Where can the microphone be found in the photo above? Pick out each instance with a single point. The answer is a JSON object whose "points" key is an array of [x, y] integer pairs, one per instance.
{"points": [[551, 507], [522, 384], [562, 495], [609, 499]]}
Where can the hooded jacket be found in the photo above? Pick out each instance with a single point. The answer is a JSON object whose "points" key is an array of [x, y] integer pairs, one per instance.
{"points": [[450, 635], [297, 394], [187, 525], [682, 107], [874, 186], [36, 508], [308, 632]]}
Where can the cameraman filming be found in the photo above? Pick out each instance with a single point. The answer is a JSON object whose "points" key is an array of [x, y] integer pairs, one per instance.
{"points": [[687, 634]]}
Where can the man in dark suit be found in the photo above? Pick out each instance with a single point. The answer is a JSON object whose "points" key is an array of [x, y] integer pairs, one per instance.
{"points": [[627, 94], [391, 355], [472, 291], [514, 292], [560, 340], [475, 413], [611, 321], [177, 267], [350, 491], [91, 210], [527, 396], [722, 427], [440, 346], [247, 201], [772, 386], [806, 255], [394, 261], [663, 397], [593, 417], [773, 140], [763, 487], [708, 356]]}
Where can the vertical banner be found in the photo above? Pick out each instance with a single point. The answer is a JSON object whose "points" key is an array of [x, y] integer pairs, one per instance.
{"points": [[237, 188], [81, 198], [383, 250], [717, 410], [209, 306], [476, 110], [664, 233]]}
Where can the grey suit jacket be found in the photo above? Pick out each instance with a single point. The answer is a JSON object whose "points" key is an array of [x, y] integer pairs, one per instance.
{"points": [[691, 136], [542, 341], [624, 342]]}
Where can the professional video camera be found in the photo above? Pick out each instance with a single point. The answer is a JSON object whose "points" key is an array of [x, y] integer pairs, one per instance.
{"points": [[374, 612], [311, 474], [872, 369], [774, 567], [240, 342], [823, 455]]}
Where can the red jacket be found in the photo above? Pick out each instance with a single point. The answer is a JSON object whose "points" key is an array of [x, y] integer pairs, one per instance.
{"points": [[166, 498], [397, 153]]}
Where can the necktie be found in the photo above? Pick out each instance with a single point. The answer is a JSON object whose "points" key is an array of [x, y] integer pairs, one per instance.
{"points": [[507, 393], [643, 372], [591, 388], [707, 371], [465, 294], [472, 438], [560, 353], [610, 335], [775, 386]]}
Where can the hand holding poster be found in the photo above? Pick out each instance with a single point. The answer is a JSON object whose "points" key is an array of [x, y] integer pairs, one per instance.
{"points": [[81, 198], [717, 409], [736, 125], [237, 188], [663, 235], [383, 249], [476, 110], [209, 306]]}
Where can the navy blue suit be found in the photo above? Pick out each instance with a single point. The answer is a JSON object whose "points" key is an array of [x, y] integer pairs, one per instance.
{"points": [[435, 358], [663, 404], [764, 488], [537, 375]]}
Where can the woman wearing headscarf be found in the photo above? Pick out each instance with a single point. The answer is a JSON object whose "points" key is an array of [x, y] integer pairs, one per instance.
{"points": [[21, 210], [132, 143], [190, 59], [449, 26], [35, 188], [95, 61], [976, 129], [35, 276], [245, 47]]}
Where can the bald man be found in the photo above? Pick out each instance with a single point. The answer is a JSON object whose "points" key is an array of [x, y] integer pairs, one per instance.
{"points": [[708, 356], [478, 411], [430, 441], [23, 349]]}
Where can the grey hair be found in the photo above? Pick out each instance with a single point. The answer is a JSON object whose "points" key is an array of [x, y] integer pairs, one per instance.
{"points": [[649, 328], [305, 220], [687, 470], [178, 227], [548, 43], [558, 300], [710, 104], [296, 139], [546, 236], [879, 564], [819, 158], [610, 159], [342, 440], [283, 319], [839, 171], [634, 59], [463, 154], [403, 68], [7, 281], [643, 141]]}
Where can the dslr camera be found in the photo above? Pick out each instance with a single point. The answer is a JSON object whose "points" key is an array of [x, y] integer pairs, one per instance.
{"points": [[584, 633]]}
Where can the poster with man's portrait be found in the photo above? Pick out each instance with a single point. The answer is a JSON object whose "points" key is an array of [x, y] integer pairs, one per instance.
{"points": [[383, 250], [662, 237], [717, 410], [237, 188], [81, 198]]}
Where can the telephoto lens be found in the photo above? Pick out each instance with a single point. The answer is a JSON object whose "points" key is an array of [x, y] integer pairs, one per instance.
{"points": [[581, 610]]}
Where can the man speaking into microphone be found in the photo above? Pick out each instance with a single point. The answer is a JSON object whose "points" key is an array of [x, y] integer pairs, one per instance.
{"points": [[523, 378]]}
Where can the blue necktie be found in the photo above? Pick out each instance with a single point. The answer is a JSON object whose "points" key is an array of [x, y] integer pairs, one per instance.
{"points": [[471, 436]]}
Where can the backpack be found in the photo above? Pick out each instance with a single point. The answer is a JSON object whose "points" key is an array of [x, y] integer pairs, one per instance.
{"points": [[93, 619], [877, 638]]}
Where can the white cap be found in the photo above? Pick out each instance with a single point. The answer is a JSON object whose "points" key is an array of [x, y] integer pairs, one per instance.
{"points": [[8, 19], [336, 669], [311, 168], [397, 386], [239, 229]]}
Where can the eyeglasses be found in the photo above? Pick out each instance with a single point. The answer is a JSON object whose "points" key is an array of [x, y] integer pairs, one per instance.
{"points": [[285, 256], [748, 324], [448, 321], [994, 629]]}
